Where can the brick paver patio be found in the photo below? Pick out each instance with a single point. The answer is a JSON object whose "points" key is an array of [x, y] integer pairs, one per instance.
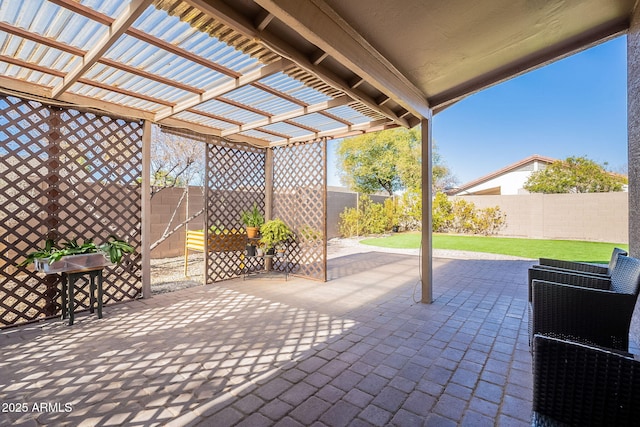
{"points": [[356, 350]]}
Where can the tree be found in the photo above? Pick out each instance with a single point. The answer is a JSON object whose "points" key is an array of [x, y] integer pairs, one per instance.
{"points": [[574, 175], [388, 161], [176, 161]]}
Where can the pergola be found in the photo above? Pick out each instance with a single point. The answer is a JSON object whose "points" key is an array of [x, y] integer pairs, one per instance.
{"points": [[276, 73]]}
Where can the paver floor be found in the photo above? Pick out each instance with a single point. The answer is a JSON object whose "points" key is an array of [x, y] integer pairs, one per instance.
{"points": [[356, 350]]}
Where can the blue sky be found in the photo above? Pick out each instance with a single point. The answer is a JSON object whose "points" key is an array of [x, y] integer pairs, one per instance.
{"points": [[574, 107]]}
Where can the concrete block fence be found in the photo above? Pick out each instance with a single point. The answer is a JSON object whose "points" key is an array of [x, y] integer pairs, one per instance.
{"points": [[602, 217]]}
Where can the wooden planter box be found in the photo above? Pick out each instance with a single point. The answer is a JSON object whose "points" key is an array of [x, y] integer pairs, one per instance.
{"points": [[72, 263]]}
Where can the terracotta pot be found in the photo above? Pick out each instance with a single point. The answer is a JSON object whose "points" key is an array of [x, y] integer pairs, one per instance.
{"points": [[252, 232]]}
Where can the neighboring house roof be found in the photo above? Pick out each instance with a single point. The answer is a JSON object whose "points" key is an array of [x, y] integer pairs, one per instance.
{"points": [[507, 169]]}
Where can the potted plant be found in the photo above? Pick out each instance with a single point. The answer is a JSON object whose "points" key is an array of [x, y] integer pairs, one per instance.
{"points": [[253, 220], [273, 233], [75, 256], [251, 250]]}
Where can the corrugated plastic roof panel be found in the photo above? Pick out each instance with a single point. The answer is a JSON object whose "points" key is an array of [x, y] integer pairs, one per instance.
{"points": [[347, 113], [261, 135], [232, 112], [205, 120], [318, 121], [172, 62], [295, 88], [261, 100], [287, 129]]}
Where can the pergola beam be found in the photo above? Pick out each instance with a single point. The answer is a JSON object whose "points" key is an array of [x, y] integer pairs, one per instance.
{"points": [[316, 108], [229, 17], [25, 87], [321, 25], [244, 80], [116, 29], [340, 132]]}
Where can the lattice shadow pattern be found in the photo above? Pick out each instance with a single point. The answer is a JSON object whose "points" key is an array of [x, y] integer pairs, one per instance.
{"points": [[64, 174]]}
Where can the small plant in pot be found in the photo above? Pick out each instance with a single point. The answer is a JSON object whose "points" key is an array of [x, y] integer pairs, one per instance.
{"points": [[273, 233], [253, 220]]}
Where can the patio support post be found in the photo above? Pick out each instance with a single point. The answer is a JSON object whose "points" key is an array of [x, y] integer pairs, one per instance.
{"points": [[426, 261], [633, 113], [146, 209], [633, 132], [268, 185]]}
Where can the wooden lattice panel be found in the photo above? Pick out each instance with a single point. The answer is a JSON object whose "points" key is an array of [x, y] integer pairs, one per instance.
{"points": [[235, 180], [64, 173], [299, 199]]}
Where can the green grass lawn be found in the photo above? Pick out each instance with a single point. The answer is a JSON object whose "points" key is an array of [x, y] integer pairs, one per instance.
{"points": [[572, 250]]}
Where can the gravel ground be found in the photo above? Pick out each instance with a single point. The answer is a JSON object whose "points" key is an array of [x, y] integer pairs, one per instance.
{"points": [[167, 274]]}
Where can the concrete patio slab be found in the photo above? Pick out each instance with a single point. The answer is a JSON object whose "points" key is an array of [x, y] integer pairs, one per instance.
{"points": [[356, 350]]}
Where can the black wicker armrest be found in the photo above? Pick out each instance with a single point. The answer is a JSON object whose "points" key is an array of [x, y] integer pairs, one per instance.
{"points": [[572, 265], [564, 270], [581, 385], [594, 316], [571, 278]]}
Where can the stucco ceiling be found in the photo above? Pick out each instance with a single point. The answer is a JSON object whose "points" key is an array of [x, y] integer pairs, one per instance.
{"points": [[449, 49]]}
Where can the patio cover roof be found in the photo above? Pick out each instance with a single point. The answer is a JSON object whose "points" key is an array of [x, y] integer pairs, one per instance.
{"points": [[272, 72]]}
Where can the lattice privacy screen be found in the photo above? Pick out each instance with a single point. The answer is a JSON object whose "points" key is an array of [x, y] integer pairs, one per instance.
{"points": [[299, 199], [64, 174], [235, 181]]}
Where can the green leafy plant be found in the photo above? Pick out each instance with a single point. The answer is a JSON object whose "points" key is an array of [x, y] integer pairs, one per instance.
{"points": [[368, 218], [274, 232], [45, 252], [462, 216], [309, 234], [114, 248], [252, 217]]}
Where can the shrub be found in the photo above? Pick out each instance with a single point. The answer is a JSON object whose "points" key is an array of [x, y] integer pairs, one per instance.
{"points": [[442, 213], [449, 216], [410, 210], [467, 219], [368, 218], [351, 223], [464, 214], [391, 212], [490, 220]]}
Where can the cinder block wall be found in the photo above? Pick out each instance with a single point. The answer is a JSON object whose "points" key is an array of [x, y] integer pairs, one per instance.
{"points": [[601, 217], [163, 205], [598, 217]]}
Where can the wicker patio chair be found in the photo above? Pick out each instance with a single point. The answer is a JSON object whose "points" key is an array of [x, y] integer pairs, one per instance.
{"points": [[549, 263], [585, 308], [583, 385]]}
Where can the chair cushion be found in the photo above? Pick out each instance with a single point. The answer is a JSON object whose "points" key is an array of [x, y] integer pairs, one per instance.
{"points": [[625, 278]]}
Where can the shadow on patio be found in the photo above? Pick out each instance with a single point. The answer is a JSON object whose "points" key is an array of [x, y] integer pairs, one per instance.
{"points": [[356, 350]]}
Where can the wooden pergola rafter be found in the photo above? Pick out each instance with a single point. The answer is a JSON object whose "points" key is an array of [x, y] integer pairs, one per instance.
{"points": [[194, 99]]}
